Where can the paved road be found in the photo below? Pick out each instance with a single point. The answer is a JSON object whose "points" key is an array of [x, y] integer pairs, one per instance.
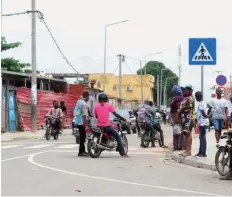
{"points": [[40, 167]]}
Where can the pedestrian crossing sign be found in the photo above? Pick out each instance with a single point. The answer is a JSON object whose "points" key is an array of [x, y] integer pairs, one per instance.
{"points": [[202, 51]]}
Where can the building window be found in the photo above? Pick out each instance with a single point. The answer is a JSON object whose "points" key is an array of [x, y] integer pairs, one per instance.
{"points": [[114, 88]]}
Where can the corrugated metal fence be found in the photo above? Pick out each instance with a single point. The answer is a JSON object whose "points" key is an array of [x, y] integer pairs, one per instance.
{"points": [[44, 104]]}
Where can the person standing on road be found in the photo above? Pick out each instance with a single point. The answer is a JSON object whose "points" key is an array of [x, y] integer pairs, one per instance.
{"points": [[178, 137], [186, 115], [230, 112], [202, 122], [219, 108], [81, 113]]}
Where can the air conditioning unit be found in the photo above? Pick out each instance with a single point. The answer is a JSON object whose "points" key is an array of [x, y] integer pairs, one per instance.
{"points": [[129, 88]]}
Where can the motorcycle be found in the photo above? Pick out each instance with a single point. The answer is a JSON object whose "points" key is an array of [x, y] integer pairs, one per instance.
{"points": [[51, 129], [222, 156], [99, 140], [145, 134]]}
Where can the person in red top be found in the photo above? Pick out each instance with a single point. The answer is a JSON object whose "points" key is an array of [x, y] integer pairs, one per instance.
{"points": [[102, 112]]}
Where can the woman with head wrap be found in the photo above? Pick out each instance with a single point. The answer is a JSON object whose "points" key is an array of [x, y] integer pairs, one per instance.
{"points": [[178, 137]]}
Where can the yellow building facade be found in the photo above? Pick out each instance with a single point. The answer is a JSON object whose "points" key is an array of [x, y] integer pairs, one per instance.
{"points": [[131, 85]]}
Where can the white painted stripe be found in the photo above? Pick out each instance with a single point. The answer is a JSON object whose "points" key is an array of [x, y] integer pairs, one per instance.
{"points": [[19, 157], [133, 148], [32, 161], [39, 146], [10, 146], [68, 146]]}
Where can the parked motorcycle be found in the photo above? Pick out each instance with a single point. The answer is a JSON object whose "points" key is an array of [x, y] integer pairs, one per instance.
{"points": [[99, 140], [222, 156], [51, 129], [145, 134]]}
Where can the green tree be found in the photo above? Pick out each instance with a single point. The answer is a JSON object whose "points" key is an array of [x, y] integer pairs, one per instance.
{"points": [[11, 64], [154, 68]]}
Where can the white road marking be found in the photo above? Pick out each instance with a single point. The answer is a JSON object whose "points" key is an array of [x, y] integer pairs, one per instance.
{"points": [[108, 152], [68, 146], [39, 146], [13, 158], [133, 148], [10, 146], [32, 161]]}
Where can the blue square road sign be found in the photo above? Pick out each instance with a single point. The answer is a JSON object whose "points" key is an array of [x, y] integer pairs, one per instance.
{"points": [[202, 51]]}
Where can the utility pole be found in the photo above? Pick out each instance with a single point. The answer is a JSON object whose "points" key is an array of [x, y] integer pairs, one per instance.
{"points": [[164, 102], [141, 77], [179, 63], [33, 65], [231, 84], [145, 78], [202, 80], [120, 75], [157, 91]]}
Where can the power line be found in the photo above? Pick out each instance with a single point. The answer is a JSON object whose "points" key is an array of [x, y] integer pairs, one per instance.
{"points": [[131, 71], [41, 17], [17, 13]]}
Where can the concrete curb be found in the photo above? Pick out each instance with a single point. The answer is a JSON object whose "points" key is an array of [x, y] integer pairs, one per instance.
{"points": [[193, 161], [11, 137]]}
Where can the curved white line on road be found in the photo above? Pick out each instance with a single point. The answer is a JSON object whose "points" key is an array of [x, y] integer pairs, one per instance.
{"points": [[32, 161], [13, 158]]}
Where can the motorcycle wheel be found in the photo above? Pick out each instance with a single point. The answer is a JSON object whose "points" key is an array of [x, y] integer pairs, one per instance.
{"points": [[94, 152], [47, 135], [55, 135], [134, 130], [77, 139], [145, 141], [125, 144], [223, 162]]}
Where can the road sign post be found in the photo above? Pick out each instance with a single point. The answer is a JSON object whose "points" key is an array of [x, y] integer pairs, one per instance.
{"points": [[202, 52]]}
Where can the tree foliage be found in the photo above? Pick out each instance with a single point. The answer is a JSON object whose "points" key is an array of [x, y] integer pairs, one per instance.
{"points": [[154, 68], [11, 64]]}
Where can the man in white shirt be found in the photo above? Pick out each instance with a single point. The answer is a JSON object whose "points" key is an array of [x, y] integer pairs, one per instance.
{"points": [[219, 108], [202, 120], [230, 112]]}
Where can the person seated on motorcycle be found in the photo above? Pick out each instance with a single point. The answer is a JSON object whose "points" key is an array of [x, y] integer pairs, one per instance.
{"points": [[145, 113], [135, 112], [156, 125], [229, 175], [57, 113], [101, 111]]}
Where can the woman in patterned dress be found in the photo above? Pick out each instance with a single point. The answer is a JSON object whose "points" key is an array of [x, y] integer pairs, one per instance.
{"points": [[178, 137], [186, 116]]}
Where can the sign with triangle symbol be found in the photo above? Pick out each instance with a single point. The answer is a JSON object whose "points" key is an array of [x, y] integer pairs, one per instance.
{"points": [[202, 54]]}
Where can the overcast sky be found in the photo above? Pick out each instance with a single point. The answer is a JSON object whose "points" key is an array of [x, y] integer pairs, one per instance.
{"points": [[154, 26]]}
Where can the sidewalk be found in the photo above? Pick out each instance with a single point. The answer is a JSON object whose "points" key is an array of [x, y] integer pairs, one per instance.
{"points": [[27, 135], [205, 163]]}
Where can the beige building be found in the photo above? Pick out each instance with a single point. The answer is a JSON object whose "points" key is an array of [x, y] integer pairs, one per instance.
{"points": [[131, 85]]}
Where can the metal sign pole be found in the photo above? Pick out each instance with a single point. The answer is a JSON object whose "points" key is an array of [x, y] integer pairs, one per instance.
{"points": [[202, 80]]}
